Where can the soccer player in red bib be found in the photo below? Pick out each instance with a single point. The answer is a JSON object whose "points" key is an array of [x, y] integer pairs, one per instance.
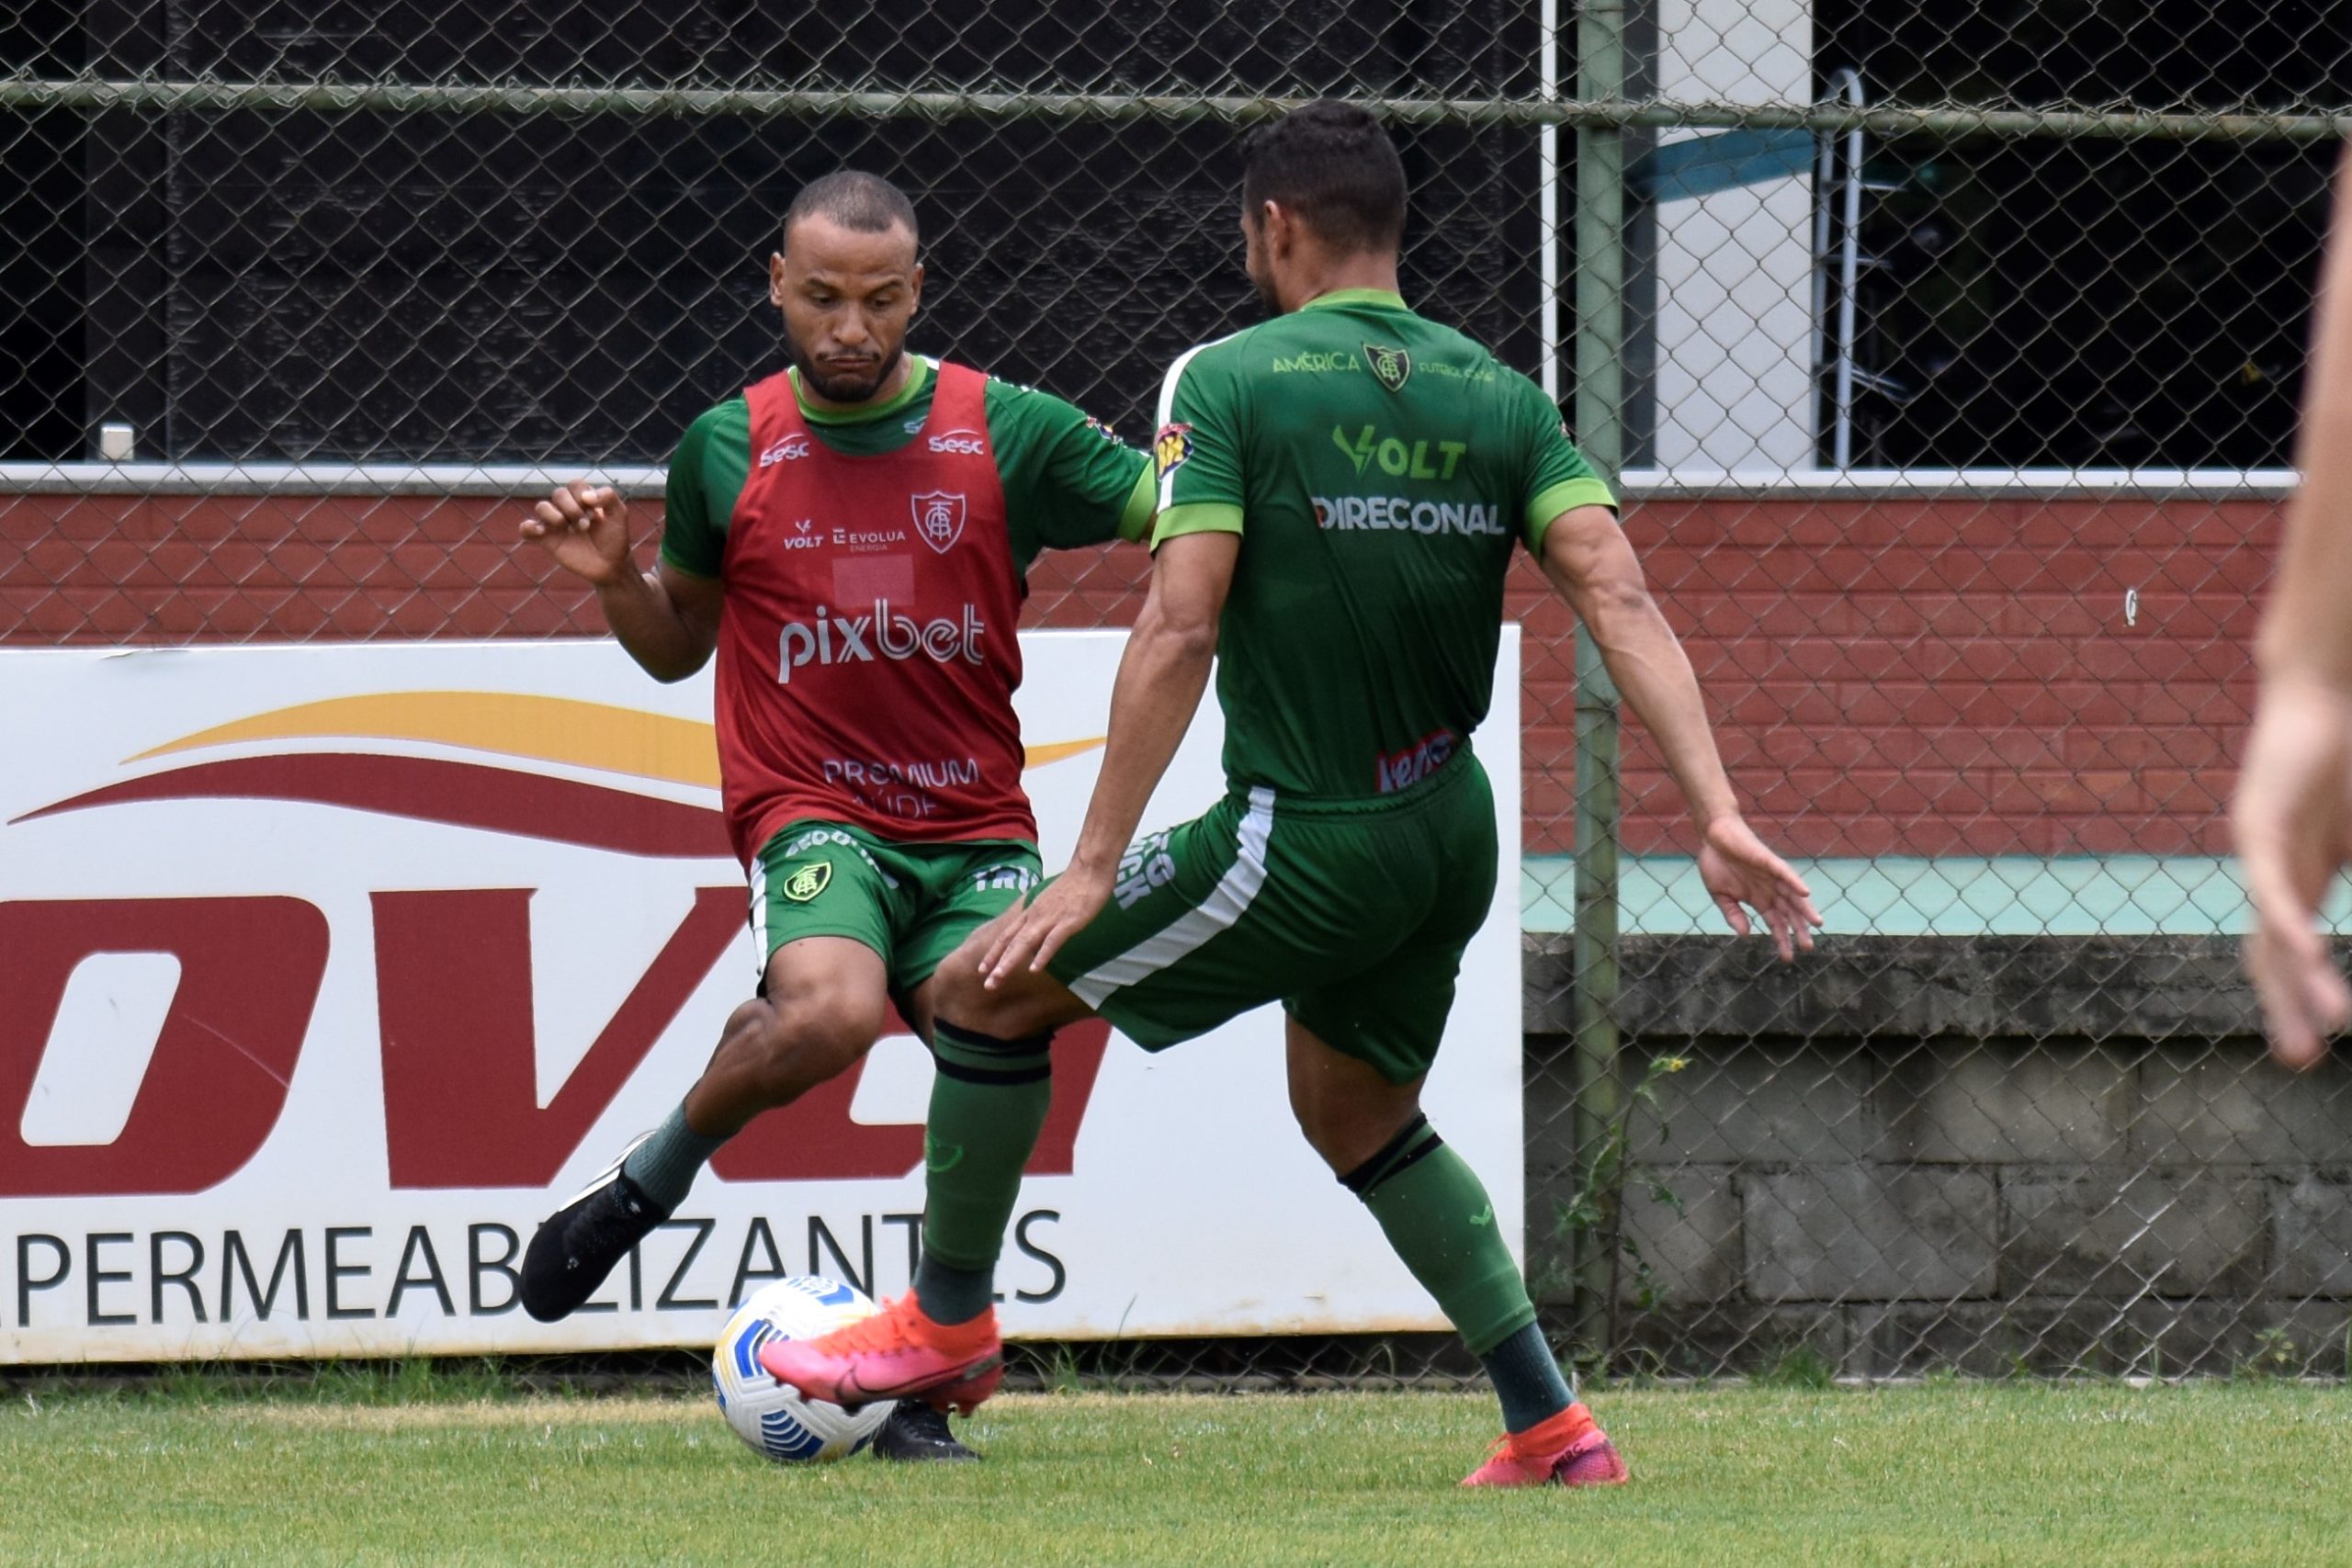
{"points": [[864, 519]]}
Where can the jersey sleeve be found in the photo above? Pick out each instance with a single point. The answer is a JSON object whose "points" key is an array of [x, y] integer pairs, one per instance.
{"points": [[1559, 478], [1197, 453], [1068, 481], [694, 540]]}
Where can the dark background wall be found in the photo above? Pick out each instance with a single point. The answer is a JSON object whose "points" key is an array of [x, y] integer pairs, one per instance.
{"points": [[443, 287]]}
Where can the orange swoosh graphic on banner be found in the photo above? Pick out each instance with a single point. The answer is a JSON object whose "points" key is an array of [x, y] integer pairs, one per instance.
{"points": [[506, 724], [1055, 751], [512, 724]]}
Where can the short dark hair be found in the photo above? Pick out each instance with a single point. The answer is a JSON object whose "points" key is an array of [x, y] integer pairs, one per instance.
{"points": [[854, 199], [1331, 165]]}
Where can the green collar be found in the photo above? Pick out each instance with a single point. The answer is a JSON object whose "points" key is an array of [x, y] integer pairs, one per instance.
{"points": [[1382, 298], [918, 378]]}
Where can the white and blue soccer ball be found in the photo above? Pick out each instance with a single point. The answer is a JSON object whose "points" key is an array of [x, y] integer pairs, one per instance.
{"points": [[775, 1417]]}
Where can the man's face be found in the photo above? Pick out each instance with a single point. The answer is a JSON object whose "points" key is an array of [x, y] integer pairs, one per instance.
{"points": [[846, 296]]}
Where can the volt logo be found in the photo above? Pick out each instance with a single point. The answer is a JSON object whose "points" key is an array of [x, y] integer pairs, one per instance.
{"points": [[1421, 460]]}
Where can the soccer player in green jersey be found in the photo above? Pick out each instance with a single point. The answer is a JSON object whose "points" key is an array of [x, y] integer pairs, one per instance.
{"points": [[1340, 492], [864, 520]]}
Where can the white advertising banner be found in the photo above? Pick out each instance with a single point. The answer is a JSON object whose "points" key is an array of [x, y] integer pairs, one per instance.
{"points": [[325, 972]]}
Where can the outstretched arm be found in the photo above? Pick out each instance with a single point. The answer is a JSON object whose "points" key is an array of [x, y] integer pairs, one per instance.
{"points": [[2292, 813], [667, 619], [1161, 677], [1588, 561]]}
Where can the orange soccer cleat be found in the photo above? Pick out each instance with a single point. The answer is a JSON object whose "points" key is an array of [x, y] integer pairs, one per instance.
{"points": [[1566, 1450], [898, 1353]]}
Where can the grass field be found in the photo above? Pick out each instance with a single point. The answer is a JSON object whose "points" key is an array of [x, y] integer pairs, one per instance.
{"points": [[2249, 1474]]}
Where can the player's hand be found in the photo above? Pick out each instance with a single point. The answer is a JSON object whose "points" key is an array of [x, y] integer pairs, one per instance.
{"points": [[2294, 821], [1738, 870], [585, 527], [1030, 938]]}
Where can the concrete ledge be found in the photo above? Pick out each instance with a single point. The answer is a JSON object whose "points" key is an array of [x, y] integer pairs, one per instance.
{"points": [[1857, 987]]}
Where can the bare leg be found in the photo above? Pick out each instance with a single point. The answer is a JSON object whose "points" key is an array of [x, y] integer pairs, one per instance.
{"points": [[827, 997]]}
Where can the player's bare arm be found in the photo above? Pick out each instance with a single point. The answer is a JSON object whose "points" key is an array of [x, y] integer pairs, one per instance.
{"points": [[1161, 676], [667, 619], [1590, 562], [2292, 812]]}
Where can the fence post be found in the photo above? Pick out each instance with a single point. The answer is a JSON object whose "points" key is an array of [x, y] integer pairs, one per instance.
{"points": [[1599, 431]]}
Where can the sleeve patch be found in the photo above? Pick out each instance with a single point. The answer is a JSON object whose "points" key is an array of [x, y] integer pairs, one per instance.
{"points": [[1172, 449]]}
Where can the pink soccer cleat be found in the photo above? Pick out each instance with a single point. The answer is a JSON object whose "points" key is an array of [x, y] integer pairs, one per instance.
{"points": [[898, 1353], [1566, 1450]]}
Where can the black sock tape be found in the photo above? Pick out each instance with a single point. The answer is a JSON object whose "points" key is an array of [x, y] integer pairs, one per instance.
{"points": [[1414, 1141]]}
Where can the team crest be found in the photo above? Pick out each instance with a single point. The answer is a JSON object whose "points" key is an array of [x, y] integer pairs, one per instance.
{"points": [[1389, 366], [809, 881], [939, 519]]}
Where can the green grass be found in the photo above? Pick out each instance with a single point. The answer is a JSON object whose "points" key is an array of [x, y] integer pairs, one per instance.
{"points": [[2010, 1474]]}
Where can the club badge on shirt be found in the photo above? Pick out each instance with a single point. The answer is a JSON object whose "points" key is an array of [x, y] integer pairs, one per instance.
{"points": [[939, 518], [1389, 366]]}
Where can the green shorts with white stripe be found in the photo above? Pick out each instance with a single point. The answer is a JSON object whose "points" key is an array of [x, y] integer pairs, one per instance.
{"points": [[1352, 914]]}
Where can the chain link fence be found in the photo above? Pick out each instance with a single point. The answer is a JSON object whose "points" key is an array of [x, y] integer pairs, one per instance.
{"points": [[1949, 356]]}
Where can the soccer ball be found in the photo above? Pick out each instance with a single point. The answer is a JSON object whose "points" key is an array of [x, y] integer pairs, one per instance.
{"points": [[772, 1417]]}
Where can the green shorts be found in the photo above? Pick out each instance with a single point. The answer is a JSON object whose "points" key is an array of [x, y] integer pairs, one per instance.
{"points": [[1352, 914], [911, 903]]}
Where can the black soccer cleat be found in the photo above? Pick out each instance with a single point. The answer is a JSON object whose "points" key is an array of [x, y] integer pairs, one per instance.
{"points": [[916, 1430], [575, 1248]]}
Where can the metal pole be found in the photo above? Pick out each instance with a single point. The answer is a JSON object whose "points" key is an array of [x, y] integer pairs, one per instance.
{"points": [[1600, 431], [1849, 266]]}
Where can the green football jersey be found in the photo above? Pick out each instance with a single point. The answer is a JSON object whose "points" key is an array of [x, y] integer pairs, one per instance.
{"points": [[1379, 469], [1068, 482]]}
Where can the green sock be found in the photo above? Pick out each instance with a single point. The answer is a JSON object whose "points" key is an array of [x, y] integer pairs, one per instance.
{"points": [[1436, 1214], [988, 1105], [666, 1165]]}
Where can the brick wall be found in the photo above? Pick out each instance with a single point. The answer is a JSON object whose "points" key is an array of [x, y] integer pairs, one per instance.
{"points": [[1922, 677], [1939, 677]]}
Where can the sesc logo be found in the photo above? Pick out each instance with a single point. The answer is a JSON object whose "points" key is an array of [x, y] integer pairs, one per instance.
{"points": [[963, 443], [791, 449]]}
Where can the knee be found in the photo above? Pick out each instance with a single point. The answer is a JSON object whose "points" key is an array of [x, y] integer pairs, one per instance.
{"points": [[1348, 1129], [957, 994], [789, 1048], [1022, 1006]]}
